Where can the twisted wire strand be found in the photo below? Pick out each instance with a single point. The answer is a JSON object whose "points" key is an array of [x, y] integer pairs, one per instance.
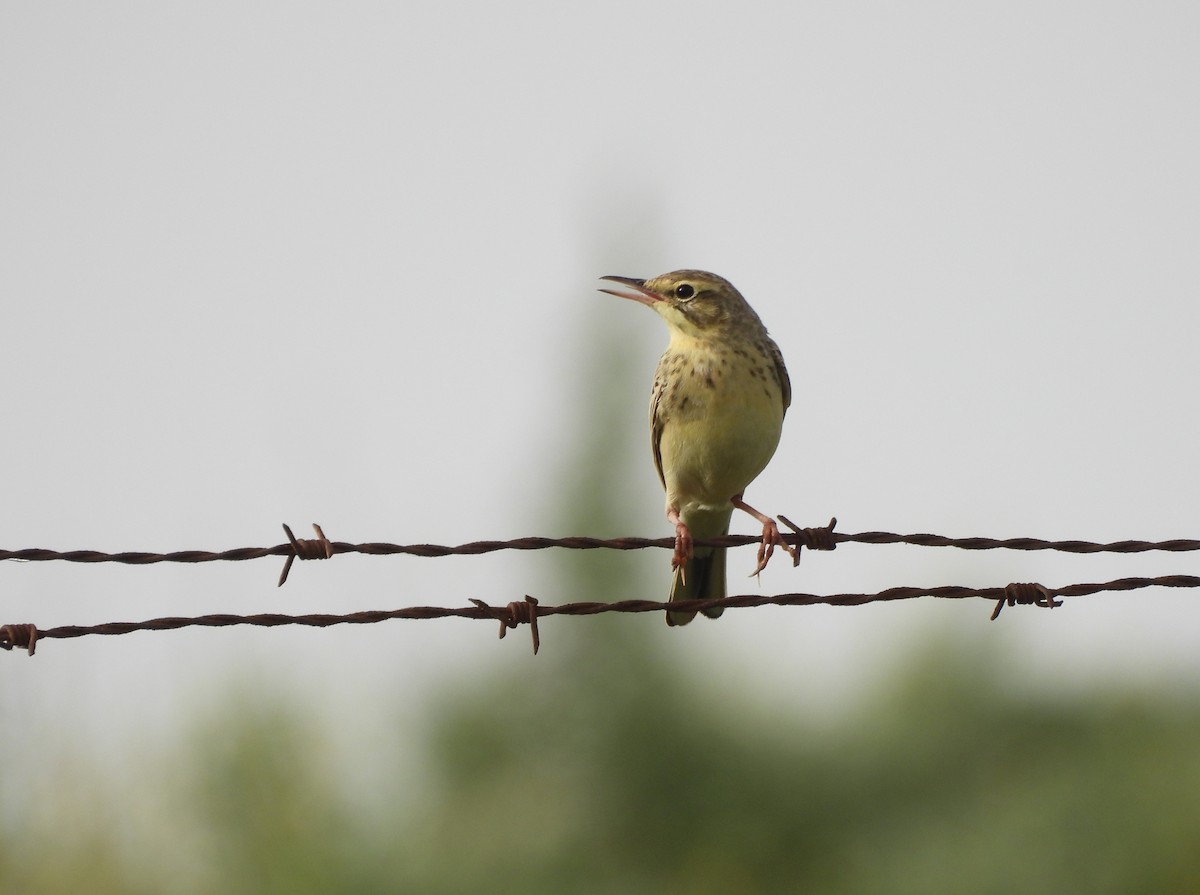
{"points": [[510, 616], [796, 538]]}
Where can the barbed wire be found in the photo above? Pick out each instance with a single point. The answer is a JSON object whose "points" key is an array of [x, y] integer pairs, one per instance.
{"points": [[530, 610], [26, 636], [816, 538]]}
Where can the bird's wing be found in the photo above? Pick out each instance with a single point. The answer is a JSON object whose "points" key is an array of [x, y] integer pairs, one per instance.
{"points": [[656, 419], [785, 384]]}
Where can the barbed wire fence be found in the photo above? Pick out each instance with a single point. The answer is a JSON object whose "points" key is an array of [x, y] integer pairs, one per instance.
{"points": [[528, 611]]}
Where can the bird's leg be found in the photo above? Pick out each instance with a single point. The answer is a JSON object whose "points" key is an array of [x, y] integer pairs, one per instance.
{"points": [[683, 542], [770, 536]]}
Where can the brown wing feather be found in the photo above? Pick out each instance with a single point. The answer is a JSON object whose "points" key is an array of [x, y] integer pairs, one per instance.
{"points": [[785, 384], [656, 422]]}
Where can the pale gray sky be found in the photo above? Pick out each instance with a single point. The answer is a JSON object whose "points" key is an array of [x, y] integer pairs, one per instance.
{"points": [[337, 262]]}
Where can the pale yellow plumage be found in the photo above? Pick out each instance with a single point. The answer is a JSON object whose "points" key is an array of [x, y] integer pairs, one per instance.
{"points": [[716, 411]]}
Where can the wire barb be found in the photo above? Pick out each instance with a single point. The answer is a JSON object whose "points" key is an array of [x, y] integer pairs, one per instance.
{"points": [[821, 538], [518, 614], [21, 636], [305, 548], [1026, 594]]}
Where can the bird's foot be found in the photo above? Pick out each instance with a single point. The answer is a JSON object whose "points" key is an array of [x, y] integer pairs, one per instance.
{"points": [[771, 538], [683, 549]]}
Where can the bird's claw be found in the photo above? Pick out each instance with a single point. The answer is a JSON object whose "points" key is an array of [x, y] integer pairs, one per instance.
{"points": [[771, 538], [683, 550]]}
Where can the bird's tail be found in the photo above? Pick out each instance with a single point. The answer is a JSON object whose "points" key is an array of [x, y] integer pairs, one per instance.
{"points": [[703, 578]]}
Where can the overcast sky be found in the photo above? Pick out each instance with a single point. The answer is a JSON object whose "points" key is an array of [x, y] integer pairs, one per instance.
{"points": [[337, 262]]}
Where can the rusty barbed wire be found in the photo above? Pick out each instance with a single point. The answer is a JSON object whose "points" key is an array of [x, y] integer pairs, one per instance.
{"points": [[816, 538], [530, 611], [19, 636], [1025, 594], [319, 547], [514, 614]]}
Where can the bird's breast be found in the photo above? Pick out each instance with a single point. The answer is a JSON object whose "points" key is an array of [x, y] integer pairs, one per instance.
{"points": [[719, 414]]}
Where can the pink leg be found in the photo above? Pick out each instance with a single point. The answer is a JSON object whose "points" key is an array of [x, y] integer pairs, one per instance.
{"points": [[683, 542], [770, 536]]}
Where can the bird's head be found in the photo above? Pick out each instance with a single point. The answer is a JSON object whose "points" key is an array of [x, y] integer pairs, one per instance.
{"points": [[693, 302]]}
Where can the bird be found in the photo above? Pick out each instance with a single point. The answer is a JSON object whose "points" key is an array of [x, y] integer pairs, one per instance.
{"points": [[720, 394]]}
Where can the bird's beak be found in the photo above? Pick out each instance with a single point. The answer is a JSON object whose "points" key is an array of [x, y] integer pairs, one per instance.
{"points": [[641, 293]]}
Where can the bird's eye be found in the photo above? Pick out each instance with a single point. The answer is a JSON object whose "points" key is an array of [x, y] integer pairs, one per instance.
{"points": [[684, 291]]}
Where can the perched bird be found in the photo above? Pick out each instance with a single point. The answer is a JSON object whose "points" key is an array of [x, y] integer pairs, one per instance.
{"points": [[716, 411]]}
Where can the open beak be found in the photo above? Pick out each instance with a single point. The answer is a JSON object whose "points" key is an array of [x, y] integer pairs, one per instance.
{"points": [[640, 293]]}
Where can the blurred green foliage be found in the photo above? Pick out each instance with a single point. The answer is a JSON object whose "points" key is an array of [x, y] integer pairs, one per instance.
{"points": [[632, 781], [612, 774]]}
